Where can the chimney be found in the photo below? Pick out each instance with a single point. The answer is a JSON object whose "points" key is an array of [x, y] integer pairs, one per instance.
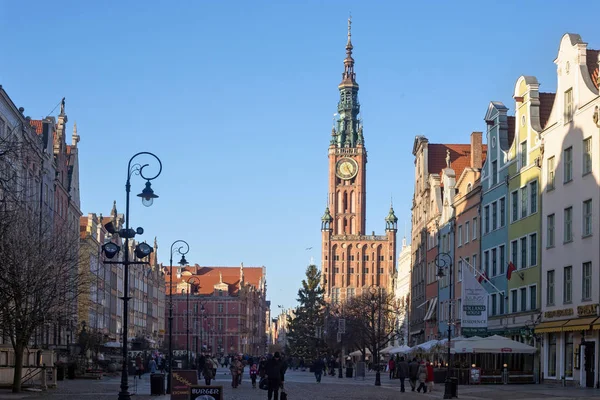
{"points": [[476, 150]]}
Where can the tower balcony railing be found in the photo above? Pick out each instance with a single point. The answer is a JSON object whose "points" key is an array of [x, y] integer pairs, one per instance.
{"points": [[360, 237]]}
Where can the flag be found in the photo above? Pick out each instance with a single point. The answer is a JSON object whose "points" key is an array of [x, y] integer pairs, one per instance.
{"points": [[509, 271], [482, 277]]}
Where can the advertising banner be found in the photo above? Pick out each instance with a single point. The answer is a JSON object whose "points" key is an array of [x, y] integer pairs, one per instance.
{"points": [[206, 393], [474, 313], [181, 381]]}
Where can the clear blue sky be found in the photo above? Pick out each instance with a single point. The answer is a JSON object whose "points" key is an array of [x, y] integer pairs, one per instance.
{"points": [[237, 99]]}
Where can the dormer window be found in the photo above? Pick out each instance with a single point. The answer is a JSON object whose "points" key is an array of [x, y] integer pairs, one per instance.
{"points": [[469, 188], [568, 106]]}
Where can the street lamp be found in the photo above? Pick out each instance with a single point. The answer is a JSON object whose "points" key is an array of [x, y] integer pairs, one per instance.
{"points": [[187, 326], [196, 327], [443, 260], [376, 301], [142, 250], [183, 249]]}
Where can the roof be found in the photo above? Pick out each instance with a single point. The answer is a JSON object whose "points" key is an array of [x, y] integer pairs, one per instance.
{"points": [[511, 129], [592, 65], [460, 157], [210, 276], [38, 125], [546, 103], [83, 222]]}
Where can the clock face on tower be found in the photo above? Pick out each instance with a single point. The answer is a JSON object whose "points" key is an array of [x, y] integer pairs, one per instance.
{"points": [[346, 168]]}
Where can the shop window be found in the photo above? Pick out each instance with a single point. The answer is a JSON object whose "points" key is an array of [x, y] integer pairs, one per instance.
{"points": [[569, 354], [552, 354]]}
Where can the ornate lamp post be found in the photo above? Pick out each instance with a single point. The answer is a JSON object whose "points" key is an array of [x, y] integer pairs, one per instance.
{"points": [[187, 304], [443, 260], [142, 251], [376, 302], [183, 249]]}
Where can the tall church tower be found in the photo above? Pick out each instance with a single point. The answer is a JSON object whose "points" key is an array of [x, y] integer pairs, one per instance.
{"points": [[352, 261]]}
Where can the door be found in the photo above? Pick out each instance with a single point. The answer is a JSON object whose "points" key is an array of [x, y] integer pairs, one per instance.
{"points": [[590, 357]]}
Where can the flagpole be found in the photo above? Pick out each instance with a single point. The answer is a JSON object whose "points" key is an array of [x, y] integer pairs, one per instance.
{"points": [[481, 274]]}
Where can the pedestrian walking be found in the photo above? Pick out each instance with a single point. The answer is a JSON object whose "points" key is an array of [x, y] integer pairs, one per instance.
{"points": [[430, 377], [274, 373], [234, 368], [413, 373], [139, 365], [402, 372], [253, 375], [422, 377], [208, 371], [391, 367], [318, 367], [152, 366]]}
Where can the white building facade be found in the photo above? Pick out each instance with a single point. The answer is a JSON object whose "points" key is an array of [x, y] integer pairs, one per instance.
{"points": [[570, 275], [402, 292]]}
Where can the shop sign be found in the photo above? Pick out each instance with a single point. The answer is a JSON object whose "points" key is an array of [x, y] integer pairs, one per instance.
{"points": [[565, 312], [474, 313], [206, 393], [589, 310], [181, 381], [475, 375]]}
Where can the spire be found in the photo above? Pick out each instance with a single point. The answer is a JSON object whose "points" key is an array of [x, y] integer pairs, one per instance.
{"points": [[75, 137], [349, 77], [391, 221], [113, 212], [242, 278], [326, 220], [220, 277]]}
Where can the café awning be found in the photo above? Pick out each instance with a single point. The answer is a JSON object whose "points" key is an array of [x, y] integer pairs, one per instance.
{"points": [[550, 326], [578, 324]]}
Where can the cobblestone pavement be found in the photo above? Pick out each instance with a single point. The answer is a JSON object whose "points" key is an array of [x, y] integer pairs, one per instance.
{"points": [[301, 386]]}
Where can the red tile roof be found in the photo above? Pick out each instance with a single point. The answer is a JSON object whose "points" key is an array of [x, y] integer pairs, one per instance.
{"points": [[592, 64], [210, 276], [38, 125], [546, 104], [460, 157], [511, 129]]}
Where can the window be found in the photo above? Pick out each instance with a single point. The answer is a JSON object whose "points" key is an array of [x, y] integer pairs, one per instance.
{"points": [[459, 235], [569, 354], [494, 269], [486, 262], [474, 235], [220, 307], [494, 172], [494, 215], [586, 286], [523, 252], [486, 219], [550, 177], [515, 205], [523, 299], [502, 261], [533, 249], [568, 284], [532, 297], [550, 230], [587, 156], [467, 232], [568, 215], [460, 270], [502, 212], [534, 196], [513, 300], [514, 251], [550, 288], [523, 201], [568, 106], [220, 324], [552, 354], [587, 217], [524, 154], [493, 304], [501, 301], [568, 167], [474, 261]]}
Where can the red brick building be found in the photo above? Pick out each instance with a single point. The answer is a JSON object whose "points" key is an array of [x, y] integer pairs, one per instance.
{"points": [[223, 308]]}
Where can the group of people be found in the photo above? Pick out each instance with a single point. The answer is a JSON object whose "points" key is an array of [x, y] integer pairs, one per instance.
{"points": [[207, 367], [270, 369], [415, 371]]}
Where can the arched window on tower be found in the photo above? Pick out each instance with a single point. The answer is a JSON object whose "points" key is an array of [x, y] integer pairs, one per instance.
{"points": [[345, 208], [352, 226], [339, 201], [352, 210], [345, 226]]}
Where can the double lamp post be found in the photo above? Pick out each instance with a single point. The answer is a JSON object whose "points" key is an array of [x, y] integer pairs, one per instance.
{"points": [[443, 260]]}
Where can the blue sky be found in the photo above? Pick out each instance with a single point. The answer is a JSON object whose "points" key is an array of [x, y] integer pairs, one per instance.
{"points": [[237, 100]]}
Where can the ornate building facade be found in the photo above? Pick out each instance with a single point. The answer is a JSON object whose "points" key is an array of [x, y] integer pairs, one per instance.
{"points": [[352, 260]]}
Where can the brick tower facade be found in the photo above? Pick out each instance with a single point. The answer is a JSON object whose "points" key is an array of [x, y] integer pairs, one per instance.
{"points": [[352, 260]]}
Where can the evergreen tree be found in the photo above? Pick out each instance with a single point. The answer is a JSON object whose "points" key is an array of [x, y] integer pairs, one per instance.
{"points": [[306, 336]]}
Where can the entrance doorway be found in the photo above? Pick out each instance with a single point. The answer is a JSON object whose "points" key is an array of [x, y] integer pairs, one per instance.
{"points": [[590, 357]]}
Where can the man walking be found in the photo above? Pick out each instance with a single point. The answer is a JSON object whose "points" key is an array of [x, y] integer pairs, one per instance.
{"points": [[274, 376], [318, 367], [402, 372], [413, 373]]}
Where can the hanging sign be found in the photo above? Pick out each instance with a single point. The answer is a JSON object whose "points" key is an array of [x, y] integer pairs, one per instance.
{"points": [[474, 313]]}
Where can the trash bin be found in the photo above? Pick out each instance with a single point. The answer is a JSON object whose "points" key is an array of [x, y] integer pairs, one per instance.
{"points": [[454, 387], [60, 372], [71, 371], [157, 384], [349, 372]]}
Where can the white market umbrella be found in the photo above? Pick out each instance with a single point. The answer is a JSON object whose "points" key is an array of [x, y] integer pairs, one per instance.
{"points": [[112, 344], [387, 350], [404, 349], [359, 353], [497, 345]]}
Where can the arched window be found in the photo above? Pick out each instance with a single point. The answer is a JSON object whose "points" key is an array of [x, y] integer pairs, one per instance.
{"points": [[352, 210], [469, 187], [345, 208]]}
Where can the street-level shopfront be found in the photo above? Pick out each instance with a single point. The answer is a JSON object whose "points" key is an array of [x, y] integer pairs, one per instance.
{"points": [[570, 351]]}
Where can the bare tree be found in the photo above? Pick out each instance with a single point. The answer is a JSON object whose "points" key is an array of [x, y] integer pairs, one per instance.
{"points": [[371, 320], [40, 276]]}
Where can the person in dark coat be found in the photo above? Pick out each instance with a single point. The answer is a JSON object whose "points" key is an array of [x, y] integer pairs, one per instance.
{"points": [[318, 367], [402, 372], [200, 364], [413, 373], [274, 374]]}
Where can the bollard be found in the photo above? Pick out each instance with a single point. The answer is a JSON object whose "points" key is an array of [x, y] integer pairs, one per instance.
{"points": [[44, 383]]}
